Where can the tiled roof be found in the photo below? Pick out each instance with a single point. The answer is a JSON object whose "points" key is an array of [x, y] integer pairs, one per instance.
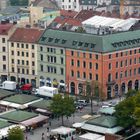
{"points": [[4, 28], [26, 35], [68, 13]]}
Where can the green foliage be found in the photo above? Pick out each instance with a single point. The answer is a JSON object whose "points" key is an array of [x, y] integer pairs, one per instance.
{"points": [[128, 111], [80, 30], [15, 134], [19, 2], [62, 106]]}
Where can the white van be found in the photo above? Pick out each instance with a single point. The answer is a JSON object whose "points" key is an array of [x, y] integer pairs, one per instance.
{"points": [[64, 133], [82, 102]]}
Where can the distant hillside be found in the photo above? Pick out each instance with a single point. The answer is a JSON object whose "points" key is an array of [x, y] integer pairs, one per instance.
{"points": [[18, 2]]}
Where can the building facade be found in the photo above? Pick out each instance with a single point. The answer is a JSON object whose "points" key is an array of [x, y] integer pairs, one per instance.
{"points": [[5, 31], [23, 55], [112, 60]]}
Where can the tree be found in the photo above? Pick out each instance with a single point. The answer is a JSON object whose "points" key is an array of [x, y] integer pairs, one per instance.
{"points": [[15, 133], [93, 91], [124, 112], [62, 106], [131, 93], [80, 30]]}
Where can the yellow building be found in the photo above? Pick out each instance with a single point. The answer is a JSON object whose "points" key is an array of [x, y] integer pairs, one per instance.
{"points": [[23, 55]]}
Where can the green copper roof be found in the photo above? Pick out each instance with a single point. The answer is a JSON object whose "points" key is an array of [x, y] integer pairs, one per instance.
{"points": [[18, 116], [104, 121], [44, 104], [5, 93], [21, 99], [4, 124], [90, 42]]}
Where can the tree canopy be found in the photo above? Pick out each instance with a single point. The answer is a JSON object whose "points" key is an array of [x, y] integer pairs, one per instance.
{"points": [[62, 106], [15, 134], [128, 111]]}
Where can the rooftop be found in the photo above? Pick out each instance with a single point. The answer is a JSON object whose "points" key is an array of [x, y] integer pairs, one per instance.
{"points": [[21, 98], [44, 104], [4, 28], [5, 93], [26, 35], [4, 124], [18, 116]]}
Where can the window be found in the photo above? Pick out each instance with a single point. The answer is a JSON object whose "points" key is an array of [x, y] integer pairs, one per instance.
{"points": [[41, 67], [126, 73], [78, 74], [69, 0], [109, 66], [22, 53], [48, 49], [109, 77], [126, 53], [135, 60], [121, 64], [130, 62], [135, 51], [27, 54], [78, 54], [41, 57], [22, 45], [116, 75], [27, 71], [61, 51], [72, 53], [84, 75], [3, 49], [4, 67], [18, 61], [139, 50], [90, 76], [126, 62], [117, 55], [139, 59], [72, 73], [69, 5], [4, 58], [96, 77], [72, 62], [130, 52], [96, 56], [138, 70], [26, 46], [17, 45], [90, 65], [96, 66], [62, 60], [41, 48], [18, 53], [117, 64], [84, 55], [109, 56], [84, 64], [121, 53], [13, 70], [33, 47], [22, 62], [78, 63], [33, 63], [62, 71], [12, 44], [130, 72], [3, 40], [33, 55], [135, 71], [33, 72], [12, 52], [18, 70], [12, 61], [90, 55], [27, 63]]}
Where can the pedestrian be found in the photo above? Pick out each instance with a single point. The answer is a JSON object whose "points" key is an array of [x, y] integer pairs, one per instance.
{"points": [[26, 138], [43, 137], [47, 129]]}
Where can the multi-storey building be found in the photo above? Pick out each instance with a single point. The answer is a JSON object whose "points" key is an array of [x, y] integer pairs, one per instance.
{"points": [[113, 60], [51, 62], [23, 55], [5, 31]]}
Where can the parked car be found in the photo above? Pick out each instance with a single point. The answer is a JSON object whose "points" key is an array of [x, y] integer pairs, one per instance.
{"points": [[82, 102]]}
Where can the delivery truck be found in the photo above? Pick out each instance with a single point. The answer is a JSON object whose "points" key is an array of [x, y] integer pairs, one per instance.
{"points": [[46, 91], [9, 85]]}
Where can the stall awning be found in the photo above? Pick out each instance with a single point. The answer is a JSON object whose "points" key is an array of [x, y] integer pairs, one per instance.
{"points": [[34, 120]]}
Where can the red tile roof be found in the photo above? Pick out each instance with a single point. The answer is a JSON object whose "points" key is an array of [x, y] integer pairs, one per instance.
{"points": [[27, 35], [68, 13], [4, 28]]}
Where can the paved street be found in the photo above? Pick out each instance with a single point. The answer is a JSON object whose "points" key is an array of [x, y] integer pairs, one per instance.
{"points": [[67, 122]]}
